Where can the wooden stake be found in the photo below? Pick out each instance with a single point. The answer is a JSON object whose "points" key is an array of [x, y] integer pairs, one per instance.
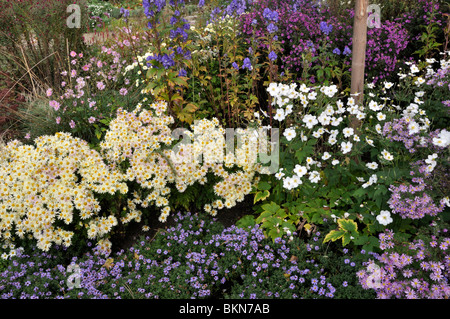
{"points": [[359, 55]]}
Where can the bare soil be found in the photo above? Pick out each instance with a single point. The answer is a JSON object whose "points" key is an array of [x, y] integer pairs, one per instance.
{"points": [[227, 217]]}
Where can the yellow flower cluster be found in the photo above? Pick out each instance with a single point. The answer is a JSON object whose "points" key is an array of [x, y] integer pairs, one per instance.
{"points": [[143, 139], [140, 138], [53, 181], [57, 181], [210, 144]]}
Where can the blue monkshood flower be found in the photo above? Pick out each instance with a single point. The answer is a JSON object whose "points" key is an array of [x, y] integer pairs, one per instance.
{"points": [[250, 50], [274, 16], [214, 14], [173, 20], [326, 28], [273, 56], [347, 51], [167, 61], [235, 65], [254, 22], [182, 72], [247, 64], [150, 5], [201, 3], [187, 55], [310, 45], [270, 15], [172, 2], [236, 7], [271, 28], [125, 13], [146, 6], [266, 13], [337, 51], [175, 33]]}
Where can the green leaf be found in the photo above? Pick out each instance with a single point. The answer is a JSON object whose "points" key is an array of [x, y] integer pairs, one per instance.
{"points": [[372, 242], [348, 225], [272, 207], [360, 192], [334, 235], [361, 240], [372, 228], [160, 72], [262, 216], [317, 219], [176, 97], [346, 239], [151, 72], [260, 196], [320, 73], [180, 81], [273, 233], [262, 186], [244, 222]]}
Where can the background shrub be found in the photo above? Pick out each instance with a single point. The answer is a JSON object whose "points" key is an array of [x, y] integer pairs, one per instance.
{"points": [[35, 39]]}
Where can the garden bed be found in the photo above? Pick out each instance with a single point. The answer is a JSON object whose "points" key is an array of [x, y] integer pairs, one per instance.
{"points": [[217, 153]]}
